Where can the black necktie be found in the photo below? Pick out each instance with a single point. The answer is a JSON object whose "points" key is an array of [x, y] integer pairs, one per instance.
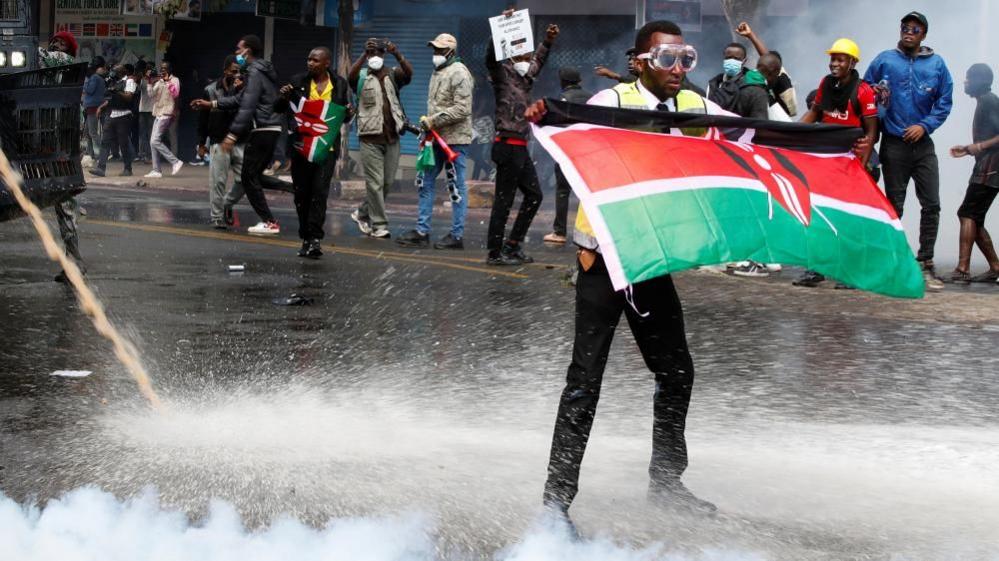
{"points": [[663, 106]]}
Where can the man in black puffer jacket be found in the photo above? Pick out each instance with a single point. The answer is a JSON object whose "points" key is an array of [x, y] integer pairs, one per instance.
{"points": [[257, 123]]}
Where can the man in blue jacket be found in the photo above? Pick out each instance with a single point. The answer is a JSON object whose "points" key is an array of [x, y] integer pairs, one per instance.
{"points": [[93, 98], [914, 88]]}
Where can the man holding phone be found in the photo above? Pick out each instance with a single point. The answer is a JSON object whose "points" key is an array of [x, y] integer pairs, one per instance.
{"points": [[164, 92]]}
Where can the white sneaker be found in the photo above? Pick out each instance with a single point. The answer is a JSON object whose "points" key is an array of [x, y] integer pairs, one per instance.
{"points": [[773, 267], [176, 167], [265, 228], [753, 269], [153, 174], [362, 225], [381, 233]]}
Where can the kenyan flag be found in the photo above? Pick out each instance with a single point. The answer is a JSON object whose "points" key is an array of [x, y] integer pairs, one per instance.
{"points": [[318, 125], [771, 192]]}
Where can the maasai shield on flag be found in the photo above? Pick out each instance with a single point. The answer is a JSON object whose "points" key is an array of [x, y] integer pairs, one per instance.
{"points": [[772, 192], [318, 123]]}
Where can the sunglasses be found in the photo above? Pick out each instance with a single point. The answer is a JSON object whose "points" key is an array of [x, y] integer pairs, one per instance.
{"points": [[912, 29], [669, 56]]}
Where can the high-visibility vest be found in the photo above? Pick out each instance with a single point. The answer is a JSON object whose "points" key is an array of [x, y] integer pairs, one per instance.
{"points": [[629, 97]]}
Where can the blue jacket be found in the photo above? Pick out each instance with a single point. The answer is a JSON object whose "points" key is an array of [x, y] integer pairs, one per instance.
{"points": [[921, 89], [93, 90]]}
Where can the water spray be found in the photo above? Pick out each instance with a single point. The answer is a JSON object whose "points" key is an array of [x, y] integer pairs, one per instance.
{"points": [[126, 352]]}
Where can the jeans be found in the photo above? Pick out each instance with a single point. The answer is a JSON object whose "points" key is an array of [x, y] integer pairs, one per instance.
{"points": [[256, 158], [562, 190], [458, 210], [918, 161], [662, 341], [160, 126], [116, 134], [514, 171], [145, 131], [312, 188], [93, 132], [218, 172], [380, 162]]}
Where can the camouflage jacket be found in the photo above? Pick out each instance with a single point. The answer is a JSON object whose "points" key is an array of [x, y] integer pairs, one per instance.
{"points": [[513, 91], [449, 102]]}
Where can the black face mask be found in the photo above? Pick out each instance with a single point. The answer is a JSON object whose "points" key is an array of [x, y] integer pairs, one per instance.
{"points": [[975, 89]]}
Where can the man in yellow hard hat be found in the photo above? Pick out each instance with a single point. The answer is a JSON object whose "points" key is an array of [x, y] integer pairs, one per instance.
{"points": [[844, 99]]}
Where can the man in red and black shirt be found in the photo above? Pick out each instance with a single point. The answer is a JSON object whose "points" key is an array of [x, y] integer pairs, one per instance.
{"points": [[843, 98]]}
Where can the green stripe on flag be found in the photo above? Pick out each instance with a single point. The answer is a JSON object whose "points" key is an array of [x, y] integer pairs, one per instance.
{"points": [[718, 225]]}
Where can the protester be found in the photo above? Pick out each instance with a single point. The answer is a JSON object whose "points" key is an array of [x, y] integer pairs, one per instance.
{"points": [[628, 77], [449, 113], [483, 133], [572, 92], [312, 179], [984, 183], [781, 85], [258, 124], [842, 98], [213, 125], [133, 108], [512, 81], [658, 328], [165, 91], [93, 98], [916, 88], [144, 69], [738, 89], [61, 51], [380, 121], [118, 126]]}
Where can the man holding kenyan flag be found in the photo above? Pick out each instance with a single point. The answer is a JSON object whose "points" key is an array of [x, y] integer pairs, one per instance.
{"points": [[668, 181], [319, 100]]}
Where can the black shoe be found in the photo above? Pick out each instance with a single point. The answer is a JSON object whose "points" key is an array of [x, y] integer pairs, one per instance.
{"points": [[98, 172], [227, 215], [810, 279], [677, 497], [218, 224], [125, 173], [62, 278], [517, 252], [315, 250], [502, 258], [413, 238], [449, 242], [558, 513]]}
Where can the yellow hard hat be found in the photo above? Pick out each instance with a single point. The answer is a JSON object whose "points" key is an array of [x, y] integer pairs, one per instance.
{"points": [[845, 46]]}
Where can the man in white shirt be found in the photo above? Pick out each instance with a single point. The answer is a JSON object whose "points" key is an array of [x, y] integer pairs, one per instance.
{"points": [[663, 60], [119, 124]]}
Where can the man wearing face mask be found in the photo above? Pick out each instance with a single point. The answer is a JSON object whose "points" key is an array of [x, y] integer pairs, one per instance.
{"points": [[449, 113], [984, 184], [213, 125], [918, 89], [663, 61], [258, 124], [380, 118], [739, 89], [512, 81]]}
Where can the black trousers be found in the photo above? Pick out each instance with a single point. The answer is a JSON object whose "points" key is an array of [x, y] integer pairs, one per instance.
{"points": [[562, 190], [116, 134], [514, 170], [312, 187], [256, 158], [663, 343], [903, 161]]}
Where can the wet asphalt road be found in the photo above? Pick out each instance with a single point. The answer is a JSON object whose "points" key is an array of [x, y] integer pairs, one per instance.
{"points": [[826, 424]]}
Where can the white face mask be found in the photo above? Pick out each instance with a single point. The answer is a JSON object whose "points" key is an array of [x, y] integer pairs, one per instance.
{"points": [[522, 67], [439, 60], [375, 63]]}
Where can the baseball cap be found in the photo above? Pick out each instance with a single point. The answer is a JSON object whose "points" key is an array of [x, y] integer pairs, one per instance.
{"points": [[444, 41], [918, 17], [569, 74]]}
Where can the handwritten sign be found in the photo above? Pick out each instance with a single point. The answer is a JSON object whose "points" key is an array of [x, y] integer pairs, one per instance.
{"points": [[512, 35]]}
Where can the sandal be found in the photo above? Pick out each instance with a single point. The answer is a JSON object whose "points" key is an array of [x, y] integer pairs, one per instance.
{"points": [[987, 276], [958, 275]]}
